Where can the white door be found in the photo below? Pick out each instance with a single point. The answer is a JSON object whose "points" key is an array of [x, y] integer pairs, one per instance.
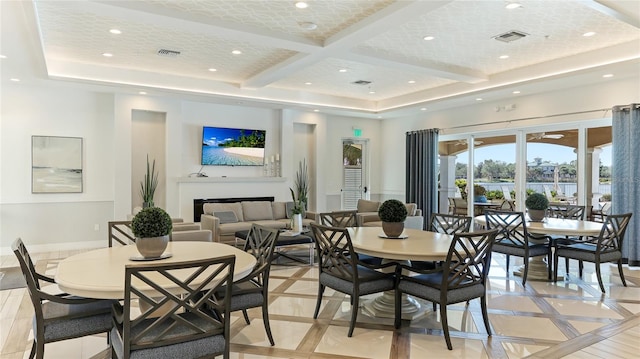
{"points": [[354, 172]]}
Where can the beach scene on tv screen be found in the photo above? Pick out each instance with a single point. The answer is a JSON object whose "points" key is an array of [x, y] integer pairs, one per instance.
{"points": [[232, 146]]}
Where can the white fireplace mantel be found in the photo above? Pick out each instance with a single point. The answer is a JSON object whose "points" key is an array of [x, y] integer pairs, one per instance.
{"points": [[225, 179]]}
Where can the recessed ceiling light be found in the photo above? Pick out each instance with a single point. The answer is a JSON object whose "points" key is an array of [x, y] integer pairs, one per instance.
{"points": [[423, 109], [236, 52], [588, 34], [107, 54], [516, 92], [513, 5], [115, 31], [479, 99], [342, 70], [316, 110], [302, 5], [428, 38], [504, 57], [308, 25], [379, 116], [308, 83], [142, 93], [607, 75], [212, 69], [15, 80], [412, 82], [2, 57], [372, 92]]}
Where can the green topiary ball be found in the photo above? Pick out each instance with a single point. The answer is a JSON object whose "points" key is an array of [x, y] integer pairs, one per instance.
{"points": [[392, 210], [537, 201], [151, 222]]}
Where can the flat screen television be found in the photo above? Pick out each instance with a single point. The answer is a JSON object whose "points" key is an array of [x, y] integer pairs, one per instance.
{"points": [[232, 146]]}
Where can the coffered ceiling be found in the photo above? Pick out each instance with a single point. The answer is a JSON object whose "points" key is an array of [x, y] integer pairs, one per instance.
{"points": [[314, 57]]}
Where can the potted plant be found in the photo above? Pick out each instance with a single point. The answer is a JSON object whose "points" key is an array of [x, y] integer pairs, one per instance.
{"points": [[151, 226], [302, 184], [149, 184], [392, 213], [479, 193], [536, 204], [296, 213]]}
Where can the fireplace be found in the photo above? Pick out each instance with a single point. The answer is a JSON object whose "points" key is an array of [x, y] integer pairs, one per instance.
{"points": [[198, 203]]}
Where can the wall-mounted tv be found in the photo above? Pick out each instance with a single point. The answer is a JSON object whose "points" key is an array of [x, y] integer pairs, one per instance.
{"points": [[232, 146]]}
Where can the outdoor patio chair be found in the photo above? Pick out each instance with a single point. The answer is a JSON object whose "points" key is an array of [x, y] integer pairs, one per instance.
{"points": [[61, 316], [513, 239], [462, 277], [191, 324], [607, 247], [341, 270], [252, 291]]}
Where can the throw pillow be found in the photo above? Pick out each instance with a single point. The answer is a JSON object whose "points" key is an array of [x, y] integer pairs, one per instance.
{"points": [[279, 210], [411, 209], [226, 217], [289, 208], [256, 211]]}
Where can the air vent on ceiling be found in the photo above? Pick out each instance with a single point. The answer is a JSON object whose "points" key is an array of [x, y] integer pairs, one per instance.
{"points": [[168, 53], [361, 82], [510, 36]]}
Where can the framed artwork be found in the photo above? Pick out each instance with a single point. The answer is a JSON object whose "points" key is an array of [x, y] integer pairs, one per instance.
{"points": [[56, 164]]}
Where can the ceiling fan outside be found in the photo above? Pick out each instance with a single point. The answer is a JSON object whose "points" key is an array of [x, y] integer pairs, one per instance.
{"points": [[463, 142], [541, 135]]}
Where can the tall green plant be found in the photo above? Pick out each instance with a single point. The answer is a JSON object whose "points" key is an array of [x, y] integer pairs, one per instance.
{"points": [[302, 183], [149, 184]]}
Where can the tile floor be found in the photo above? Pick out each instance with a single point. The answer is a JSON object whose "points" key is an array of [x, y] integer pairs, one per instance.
{"points": [[569, 319]]}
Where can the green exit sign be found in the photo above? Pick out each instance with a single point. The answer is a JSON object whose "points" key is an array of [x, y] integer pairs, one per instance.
{"points": [[357, 132]]}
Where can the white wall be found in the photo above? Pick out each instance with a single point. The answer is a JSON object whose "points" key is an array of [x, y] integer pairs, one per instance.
{"points": [[55, 218], [104, 122]]}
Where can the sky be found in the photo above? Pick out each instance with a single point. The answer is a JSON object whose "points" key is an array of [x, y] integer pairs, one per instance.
{"points": [[551, 153]]}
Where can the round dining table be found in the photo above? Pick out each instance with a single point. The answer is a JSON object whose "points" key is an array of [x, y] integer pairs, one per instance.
{"points": [[418, 245], [100, 273]]}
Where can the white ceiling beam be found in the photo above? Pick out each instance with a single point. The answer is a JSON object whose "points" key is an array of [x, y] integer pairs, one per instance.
{"points": [[625, 11], [430, 68], [141, 12], [393, 15]]}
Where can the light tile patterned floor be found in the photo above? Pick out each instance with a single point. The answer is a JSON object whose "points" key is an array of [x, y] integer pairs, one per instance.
{"points": [[542, 320]]}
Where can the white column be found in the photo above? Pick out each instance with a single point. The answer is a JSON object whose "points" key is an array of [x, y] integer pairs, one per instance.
{"points": [[593, 176], [447, 182]]}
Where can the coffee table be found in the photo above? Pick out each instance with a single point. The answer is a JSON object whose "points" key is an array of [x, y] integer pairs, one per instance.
{"points": [[284, 240]]}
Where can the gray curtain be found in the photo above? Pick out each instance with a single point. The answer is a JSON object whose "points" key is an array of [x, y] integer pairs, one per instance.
{"points": [[625, 186], [422, 175]]}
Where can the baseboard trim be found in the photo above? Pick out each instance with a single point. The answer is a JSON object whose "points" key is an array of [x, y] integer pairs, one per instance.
{"points": [[53, 247]]}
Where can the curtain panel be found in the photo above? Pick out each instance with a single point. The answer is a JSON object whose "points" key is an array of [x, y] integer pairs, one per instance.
{"points": [[422, 175], [625, 185]]}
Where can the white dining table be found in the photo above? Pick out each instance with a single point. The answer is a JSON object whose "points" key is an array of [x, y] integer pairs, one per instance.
{"points": [[100, 273], [538, 268], [419, 246]]}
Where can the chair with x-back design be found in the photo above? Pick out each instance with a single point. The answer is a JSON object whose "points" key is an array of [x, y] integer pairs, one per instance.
{"points": [[61, 316], [514, 239], [566, 211], [341, 270], [462, 277], [252, 291], [606, 247], [344, 219], [340, 219], [191, 323], [447, 224]]}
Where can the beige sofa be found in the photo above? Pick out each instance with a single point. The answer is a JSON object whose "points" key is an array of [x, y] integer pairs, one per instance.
{"points": [[225, 219], [367, 215]]}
